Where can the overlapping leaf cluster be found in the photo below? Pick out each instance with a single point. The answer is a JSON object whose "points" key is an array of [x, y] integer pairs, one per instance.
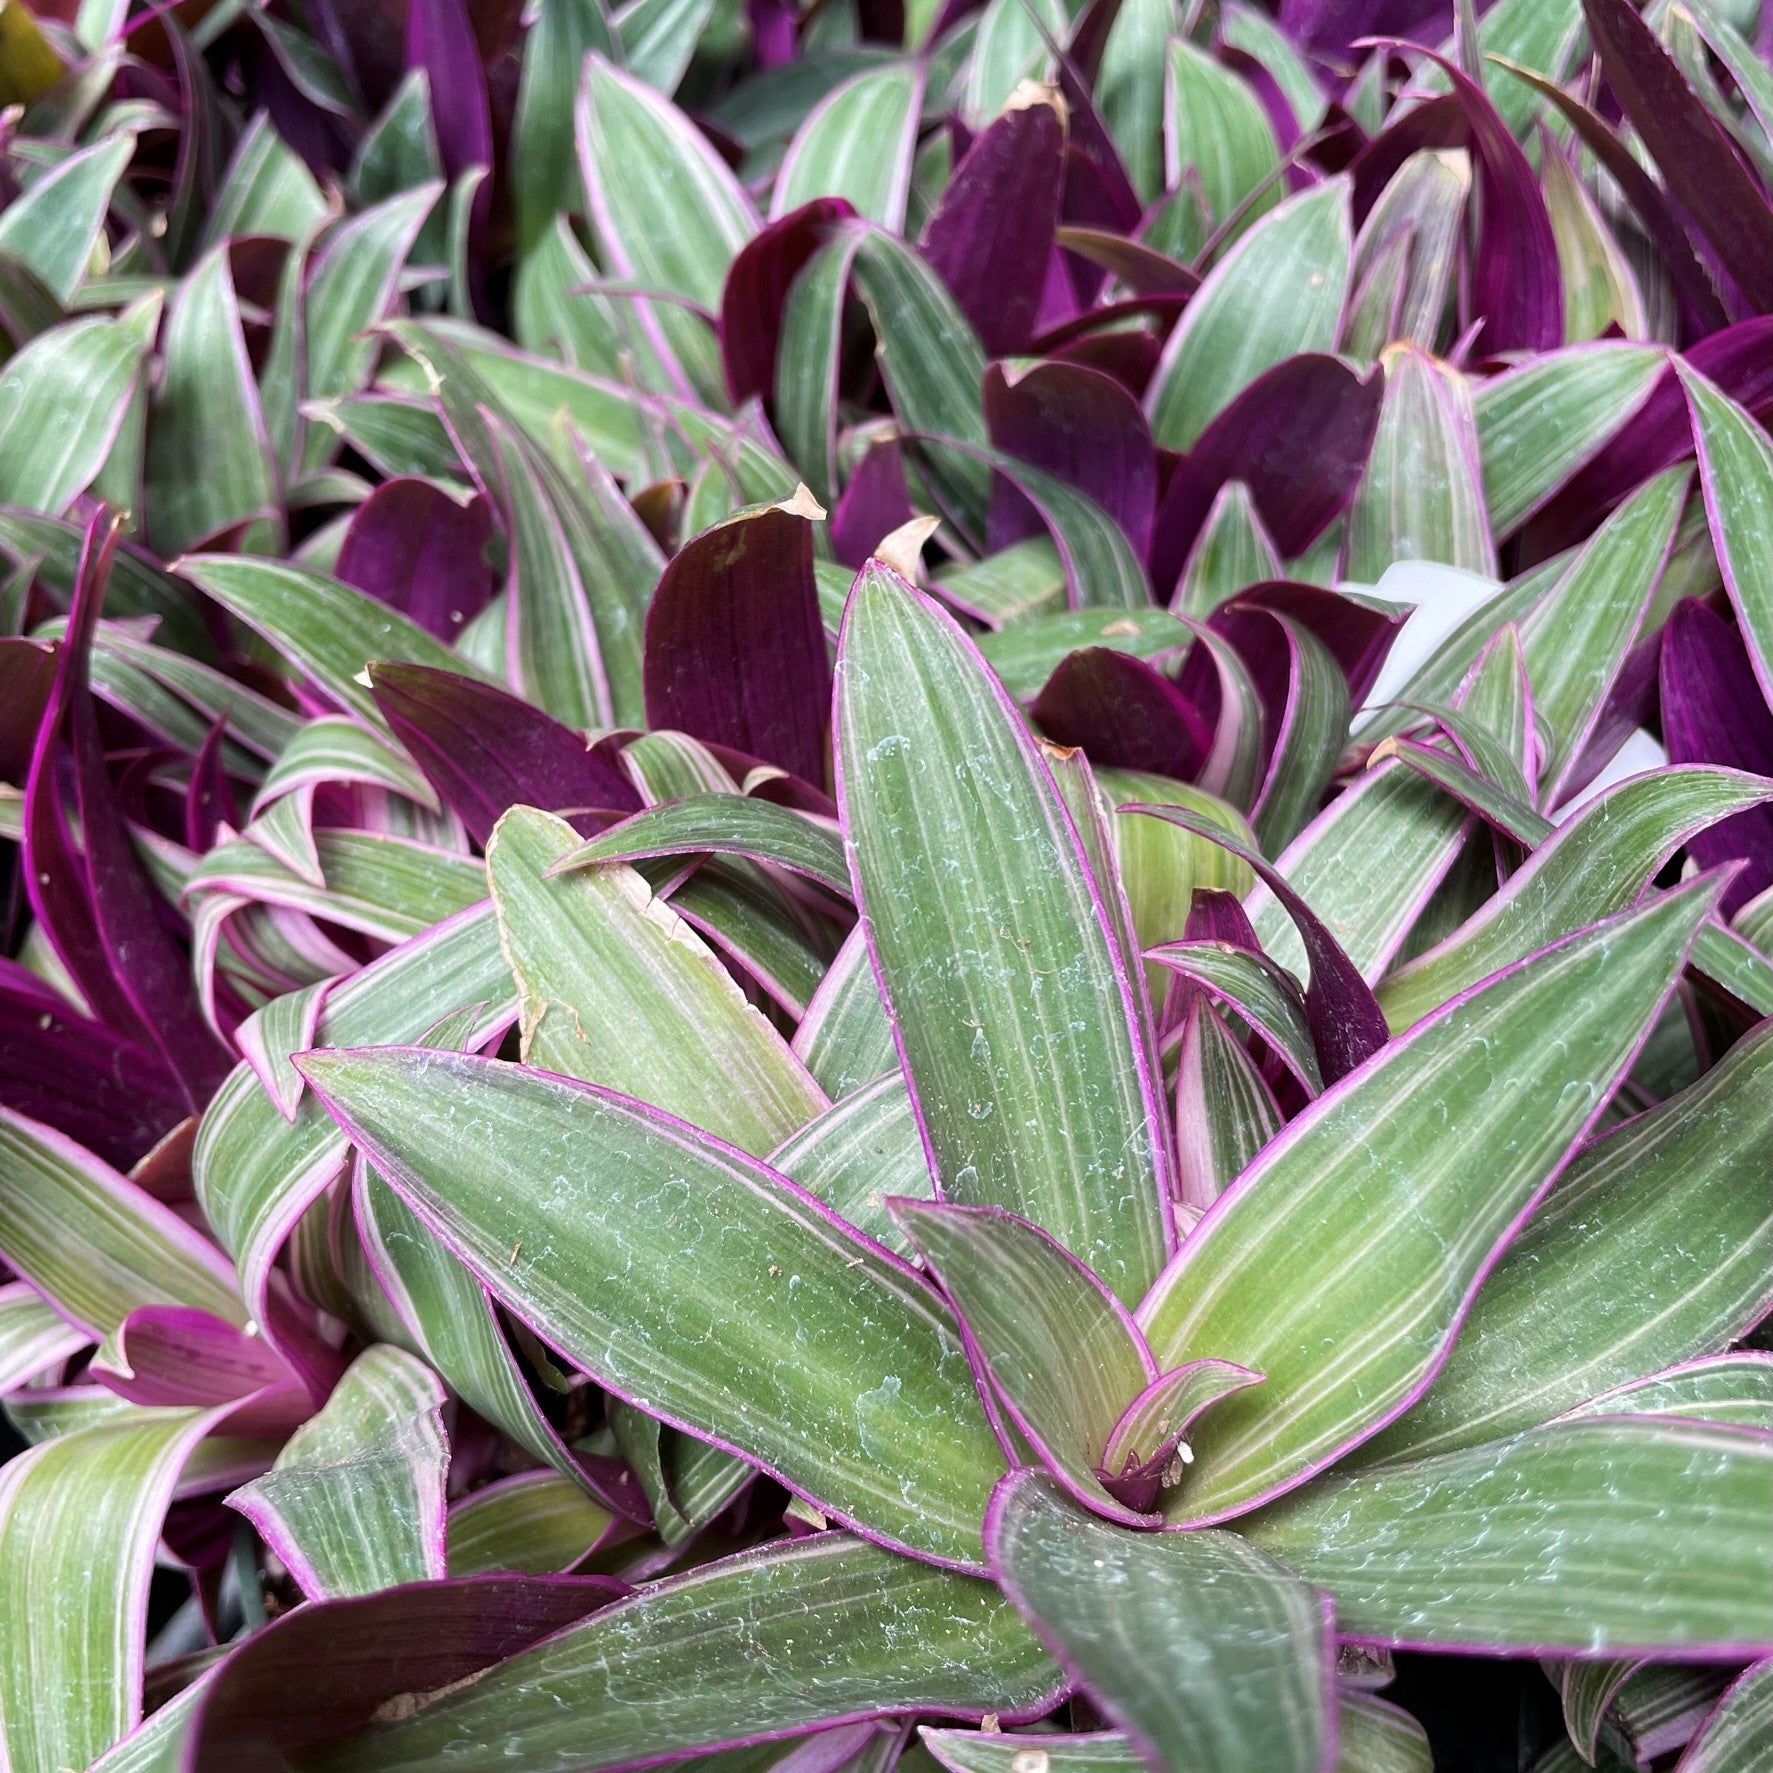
{"points": [[888, 882]]}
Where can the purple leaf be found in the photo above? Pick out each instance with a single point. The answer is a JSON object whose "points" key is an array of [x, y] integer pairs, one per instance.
{"points": [[440, 40], [1330, 28], [991, 235], [873, 505], [1082, 426], [484, 750], [27, 675], [1347, 1025], [1702, 311], [176, 1354], [209, 801], [1215, 915], [1357, 636], [1698, 161], [1124, 713], [330, 1666], [103, 1090], [97, 905], [735, 647], [756, 287], [416, 549], [1514, 286], [1713, 712], [1298, 437]]}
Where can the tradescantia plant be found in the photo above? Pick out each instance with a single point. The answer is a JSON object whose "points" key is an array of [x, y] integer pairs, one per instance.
{"points": [[891, 886]]}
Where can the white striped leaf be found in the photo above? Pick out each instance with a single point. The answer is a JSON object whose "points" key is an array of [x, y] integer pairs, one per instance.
{"points": [[355, 1500], [1539, 423], [1367, 1226], [1734, 1389], [1277, 292], [1576, 638], [1738, 1736], [256, 1173], [34, 1336], [1225, 1113], [94, 1243], [1013, 1010], [1420, 496], [801, 1346], [1541, 1543], [536, 1522], [1593, 865], [209, 464], [1058, 1351], [1216, 131], [80, 1516], [329, 629], [770, 1643], [857, 142], [1736, 470], [54, 226], [845, 1037], [613, 989], [62, 405], [863, 1151], [1655, 1247], [1208, 1651], [669, 214], [934, 366]]}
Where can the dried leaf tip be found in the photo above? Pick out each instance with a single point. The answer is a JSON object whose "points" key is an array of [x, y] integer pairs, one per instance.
{"points": [[902, 549], [1030, 93]]}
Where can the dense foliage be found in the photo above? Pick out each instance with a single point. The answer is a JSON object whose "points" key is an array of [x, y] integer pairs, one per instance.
{"points": [[889, 884]]}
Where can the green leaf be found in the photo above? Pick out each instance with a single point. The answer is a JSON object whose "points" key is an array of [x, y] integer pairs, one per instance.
{"points": [[857, 143], [1209, 1651], [1600, 289], [1027, 578], [1593, 865], [1734, 1389], [1539, 423], [54, 226], [809, 362], [860, 1153], [1015, 1014], [1543, 1542], [544, 173], [615, 990], [350, 288], [1262, 993], [1225, 1113], [268, 190], [676, 1668], [1734, 1738], [256, 1173], [62, 404], [1736, 470], [669, 214], [754, 922], [536, 1522], [1576, 639], [845, 1037], [1025, 653], [1655, 1247], [1278, 291], [209, 465], [33, 1336], [933, 364], [1232, 551], [95, 1243], [1216, 131], [1129, 90], [447, 1311], [1313, 730], [80, 1516], [1007, 49], [1059, 1351], [326, 628], [803, 1346], [723, 824], [1391, 1174], [1419, 498], [355, 1500]]}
